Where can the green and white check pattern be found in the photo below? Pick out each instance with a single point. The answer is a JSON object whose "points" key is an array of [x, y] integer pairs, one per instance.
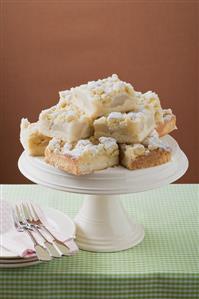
{"points": [[164, 265]]}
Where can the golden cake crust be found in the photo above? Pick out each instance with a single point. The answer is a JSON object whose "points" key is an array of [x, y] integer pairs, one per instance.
{"points": [[167, 126], [62, 162], [153, 158]]}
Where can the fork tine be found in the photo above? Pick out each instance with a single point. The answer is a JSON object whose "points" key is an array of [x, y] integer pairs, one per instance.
{"points": [[22, 213], [32, 211], [35, 208], [18, 213], [27, 211]]}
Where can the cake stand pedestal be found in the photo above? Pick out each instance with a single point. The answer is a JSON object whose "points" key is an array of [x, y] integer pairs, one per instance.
{"points": [[102, 223]]}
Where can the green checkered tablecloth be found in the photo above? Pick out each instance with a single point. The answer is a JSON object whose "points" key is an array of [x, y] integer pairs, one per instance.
{"points": [[164, 265]]}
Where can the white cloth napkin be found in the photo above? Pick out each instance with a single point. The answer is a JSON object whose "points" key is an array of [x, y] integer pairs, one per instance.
{"points": [[6, 220], [18, 243]]}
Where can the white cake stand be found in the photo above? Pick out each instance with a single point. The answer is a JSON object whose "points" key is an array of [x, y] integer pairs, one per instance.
{"points": [[102, 223]]}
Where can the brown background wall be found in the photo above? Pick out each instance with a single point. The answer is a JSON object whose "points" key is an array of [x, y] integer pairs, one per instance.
{"points": [[49, 46]]}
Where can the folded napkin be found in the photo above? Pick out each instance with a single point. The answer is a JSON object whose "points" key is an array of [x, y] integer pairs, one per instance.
{"points": [[6, 220], [18, 243]]}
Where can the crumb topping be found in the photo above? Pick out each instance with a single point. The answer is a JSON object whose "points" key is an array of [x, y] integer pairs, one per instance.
{"points": [[60, 115], [24, 123], [152, 100], [131, 115], [27, 126], [105, 88], [84, 147], [152, 142], [65, 95], [167, 114]]}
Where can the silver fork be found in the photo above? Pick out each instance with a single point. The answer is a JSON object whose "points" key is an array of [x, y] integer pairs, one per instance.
{"points": [[33, 223], [21, 225], [63, 248]]}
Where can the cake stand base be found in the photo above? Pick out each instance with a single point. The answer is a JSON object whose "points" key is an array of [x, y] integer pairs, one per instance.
{"points": [[104, 226]]}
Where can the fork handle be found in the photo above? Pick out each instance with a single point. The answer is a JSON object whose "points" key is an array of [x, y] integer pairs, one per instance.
{"points": [[49, 245], [53, 236], [63, 248], [49, 232], [32, 237], [38, 231], [41, 252]]}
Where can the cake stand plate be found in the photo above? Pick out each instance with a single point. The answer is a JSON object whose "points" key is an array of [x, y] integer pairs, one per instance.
{"points": [[102, 223]]}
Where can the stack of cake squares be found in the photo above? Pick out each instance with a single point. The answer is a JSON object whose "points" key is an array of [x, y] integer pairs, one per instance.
{"points": [[101, 124]]}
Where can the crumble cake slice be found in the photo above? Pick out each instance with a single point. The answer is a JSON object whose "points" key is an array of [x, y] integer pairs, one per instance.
{"points": [[82, 157], [152, 152], [100, 97], [151, 99], [65, 122], [164, 118], [168, 124], [33, 141], [132, 127]]}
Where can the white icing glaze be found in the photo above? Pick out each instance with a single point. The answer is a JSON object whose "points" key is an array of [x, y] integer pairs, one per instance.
{"points": [[115, 115], [67, 123]]}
